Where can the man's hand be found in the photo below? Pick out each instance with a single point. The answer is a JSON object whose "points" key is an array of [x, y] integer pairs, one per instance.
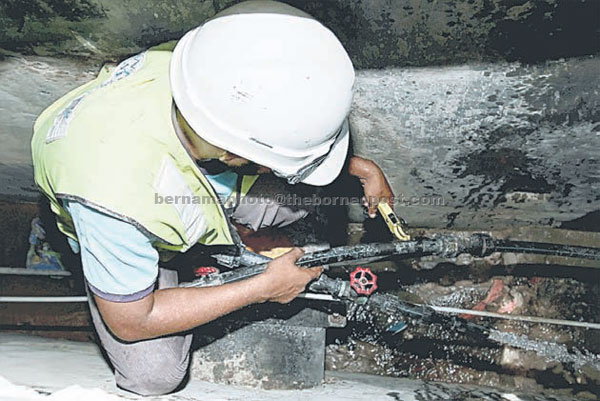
{"points": [[174, 310], [283, 280], [375, 185]]}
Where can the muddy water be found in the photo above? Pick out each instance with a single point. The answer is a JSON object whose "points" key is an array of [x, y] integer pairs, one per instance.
{"points": [[547, 360], [549, 350]]}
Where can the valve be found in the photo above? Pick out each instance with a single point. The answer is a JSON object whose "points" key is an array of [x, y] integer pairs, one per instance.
{"points": [[205, 271], [363, 281]]}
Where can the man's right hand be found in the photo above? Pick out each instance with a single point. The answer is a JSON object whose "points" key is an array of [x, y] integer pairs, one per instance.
{"points": [[173, 310], [283, 280]]}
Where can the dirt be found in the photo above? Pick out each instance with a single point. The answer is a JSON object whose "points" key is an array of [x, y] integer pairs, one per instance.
{"points": [[433, 354]]}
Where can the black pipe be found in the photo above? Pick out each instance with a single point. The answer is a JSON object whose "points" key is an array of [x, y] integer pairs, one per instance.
{"points": [[546, 249], [444, 245]]}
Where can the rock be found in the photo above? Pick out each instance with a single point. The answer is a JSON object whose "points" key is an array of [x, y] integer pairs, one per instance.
{"points": [[377, 33], [522, 360]]}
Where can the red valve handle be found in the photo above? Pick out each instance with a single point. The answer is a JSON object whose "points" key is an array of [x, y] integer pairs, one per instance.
{"points": [[363, 281], [205, 271]]}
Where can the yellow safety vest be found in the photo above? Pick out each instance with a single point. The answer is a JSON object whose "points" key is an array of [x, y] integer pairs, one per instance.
{"points": [[111, 144]]}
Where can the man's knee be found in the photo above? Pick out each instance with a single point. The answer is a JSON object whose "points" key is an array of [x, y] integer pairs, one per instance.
{"points": [[154, 380]]}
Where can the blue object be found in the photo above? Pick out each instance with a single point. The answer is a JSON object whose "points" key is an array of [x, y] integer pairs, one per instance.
{"points": [[397, 328], [223, 183], [37, 234], [40, 255]]}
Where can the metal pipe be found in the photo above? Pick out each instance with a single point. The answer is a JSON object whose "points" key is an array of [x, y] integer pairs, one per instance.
{"points": [[418, 248], [326, 297], [23, 271], [444, 245], [44, 299], [522, 318]]}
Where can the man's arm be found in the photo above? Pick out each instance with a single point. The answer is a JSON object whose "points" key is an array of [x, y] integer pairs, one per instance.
{"points": [[120, 266], [174, 310], [375, 185]]}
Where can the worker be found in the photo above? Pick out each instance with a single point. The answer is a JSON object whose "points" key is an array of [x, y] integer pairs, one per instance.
{"points": [[145, 160]]}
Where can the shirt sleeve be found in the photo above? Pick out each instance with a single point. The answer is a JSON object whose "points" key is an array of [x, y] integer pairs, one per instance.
{"points": [[119, 262]]}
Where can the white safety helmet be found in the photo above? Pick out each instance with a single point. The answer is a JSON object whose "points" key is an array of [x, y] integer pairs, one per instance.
{"points": [[267, 82]]}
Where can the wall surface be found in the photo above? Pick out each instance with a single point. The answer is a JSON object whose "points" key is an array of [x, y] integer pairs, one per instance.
{"points": [[482, 112], [377, 33], [485, 145], [27, 86]]}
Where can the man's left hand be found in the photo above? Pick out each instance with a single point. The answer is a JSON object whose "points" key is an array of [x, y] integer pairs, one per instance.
{"points": [[375, 185]]}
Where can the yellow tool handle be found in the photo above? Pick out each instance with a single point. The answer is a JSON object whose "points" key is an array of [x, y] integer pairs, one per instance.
{"points": [[394, 223]]}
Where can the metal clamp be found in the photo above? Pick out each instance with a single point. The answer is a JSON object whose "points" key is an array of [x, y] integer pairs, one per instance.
{"points": [[396, 224]]}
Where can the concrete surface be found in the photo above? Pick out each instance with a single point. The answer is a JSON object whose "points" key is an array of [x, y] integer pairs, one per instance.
{"points": [[484, 145], [284, 351], [27, 86], [472, 140], [63, 370], [475, 146], [377, 33]]}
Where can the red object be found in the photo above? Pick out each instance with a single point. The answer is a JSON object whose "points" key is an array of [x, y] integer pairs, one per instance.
{"points": [[493, 294], [205, 271], [535, 280], [363, 281]]}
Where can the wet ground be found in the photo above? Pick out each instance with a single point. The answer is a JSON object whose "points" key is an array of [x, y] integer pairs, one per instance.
{"points": [[546, 358], [60, 370], [559, 362], [543, 359]]}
